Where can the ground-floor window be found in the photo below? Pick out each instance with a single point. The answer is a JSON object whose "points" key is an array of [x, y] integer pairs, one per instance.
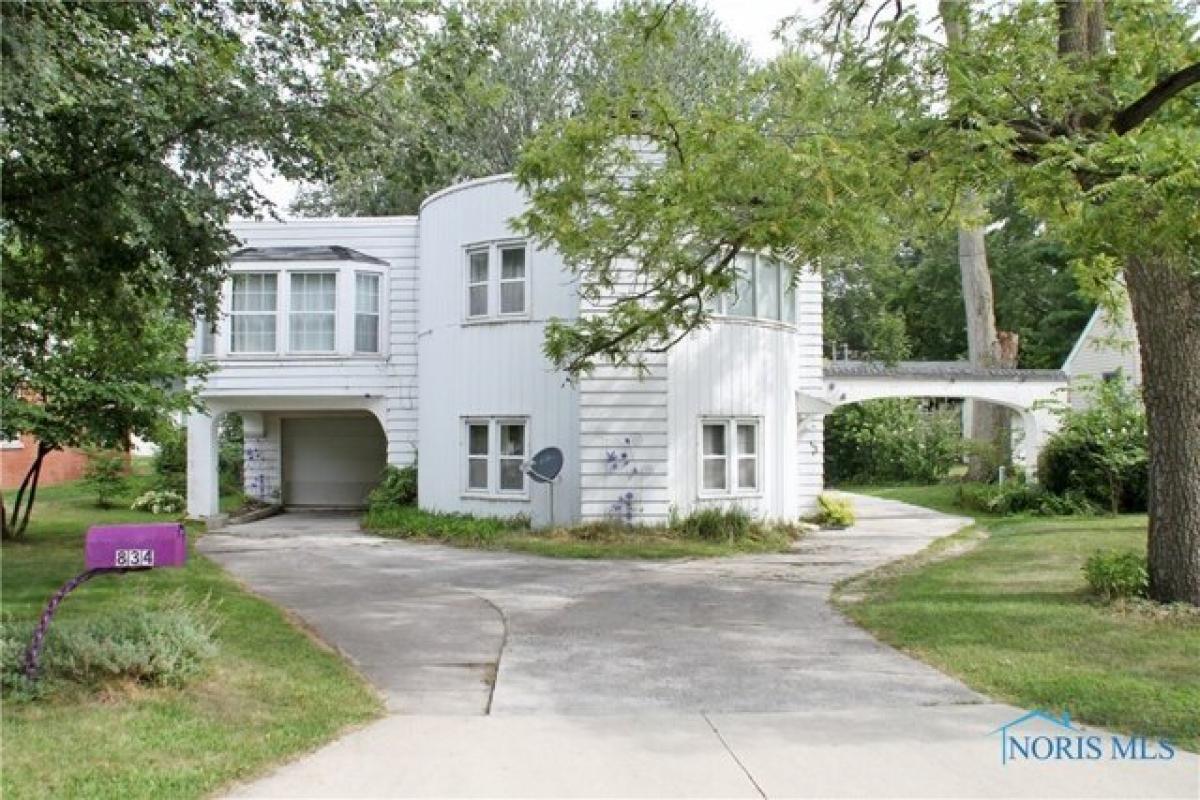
{"points": [[496, 449], [729, 455]]}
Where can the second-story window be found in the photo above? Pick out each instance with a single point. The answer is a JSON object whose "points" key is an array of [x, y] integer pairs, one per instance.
{"points": [[764, 291], [366, 312], [497, 281], [252, 312], [312, 312]]}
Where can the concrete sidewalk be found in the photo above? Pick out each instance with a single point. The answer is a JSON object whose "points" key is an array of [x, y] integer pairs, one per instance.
{"points": [[940, 751]]}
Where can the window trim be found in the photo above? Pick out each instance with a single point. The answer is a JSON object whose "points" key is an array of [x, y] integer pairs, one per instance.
{"points": [[494, 250], [287, 326], [355, 313], [494, 458], [732, 455], [233, 314]]}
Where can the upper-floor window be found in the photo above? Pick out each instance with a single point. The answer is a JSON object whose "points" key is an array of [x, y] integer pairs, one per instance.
{"points": [[495, 451], [206, 337], [497, 281], [729, 456], [763, 290], [312, 312], [366, 312], [253, 303]]}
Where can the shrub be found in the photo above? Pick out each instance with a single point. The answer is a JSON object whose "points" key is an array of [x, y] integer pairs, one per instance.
{"points": [[231, 454], [717, 524], [890, 440], [398, 487], [166, 645], [105, 475], [1100, 452], [1019, 497], [1117, 574], [170, 461], [834, 511], [159, 502]]}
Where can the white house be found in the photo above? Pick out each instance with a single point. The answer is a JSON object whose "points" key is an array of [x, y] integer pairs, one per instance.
{"points": [[1107, 348], [345, 344]]}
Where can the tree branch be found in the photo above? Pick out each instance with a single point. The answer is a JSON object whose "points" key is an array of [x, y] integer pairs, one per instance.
{"points": [[1145, 106]]}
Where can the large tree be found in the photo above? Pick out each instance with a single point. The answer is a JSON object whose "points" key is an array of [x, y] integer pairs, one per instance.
{"points": [[1082, 107], [132, 133], [496, 73]]}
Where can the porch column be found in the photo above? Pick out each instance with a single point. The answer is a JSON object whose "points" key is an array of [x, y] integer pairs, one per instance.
{"points": [[203, 485]]}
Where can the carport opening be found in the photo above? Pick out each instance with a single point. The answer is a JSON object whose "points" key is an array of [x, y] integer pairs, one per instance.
{"points": [[330, 460]]}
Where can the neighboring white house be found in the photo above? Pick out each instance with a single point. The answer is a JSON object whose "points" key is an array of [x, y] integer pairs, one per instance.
{"points": [[345, 344], [1107, 348]]}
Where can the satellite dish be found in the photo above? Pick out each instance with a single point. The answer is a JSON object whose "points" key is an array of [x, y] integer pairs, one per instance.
{"points": [[545, 464]]}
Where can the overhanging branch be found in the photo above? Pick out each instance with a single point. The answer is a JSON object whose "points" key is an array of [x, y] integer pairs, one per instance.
{"points": [[1144, 107]]}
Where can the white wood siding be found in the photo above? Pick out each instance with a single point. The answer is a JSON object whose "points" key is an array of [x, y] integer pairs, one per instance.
{"points": [[487, 369], [391, 376], [1106, 345]]}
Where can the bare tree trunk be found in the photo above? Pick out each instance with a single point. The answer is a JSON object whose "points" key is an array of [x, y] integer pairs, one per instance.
{"points": [[1166, 309], [13, 527], [983, 348]]}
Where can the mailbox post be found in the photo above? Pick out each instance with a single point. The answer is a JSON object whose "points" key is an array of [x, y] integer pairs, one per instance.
{"points": [[113, 548]]}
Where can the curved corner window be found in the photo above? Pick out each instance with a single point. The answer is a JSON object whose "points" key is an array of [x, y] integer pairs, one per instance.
{"points": [[497, 281], [763, 290]]}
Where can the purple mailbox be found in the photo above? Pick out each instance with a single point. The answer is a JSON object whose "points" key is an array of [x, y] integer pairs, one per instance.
{"points": [[143, 546], [113, 548]]}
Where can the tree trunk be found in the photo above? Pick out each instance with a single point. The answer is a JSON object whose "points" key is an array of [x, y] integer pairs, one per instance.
{"points": [[1166, 310], [13, 527], [983, 349]]}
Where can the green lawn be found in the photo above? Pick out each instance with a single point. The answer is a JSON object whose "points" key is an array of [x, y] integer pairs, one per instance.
{"points": [[1011, 617], [592, 540], [272, 692]]}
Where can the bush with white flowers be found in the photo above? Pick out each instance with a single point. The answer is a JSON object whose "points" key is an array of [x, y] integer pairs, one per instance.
{"points": [[159, 502]]}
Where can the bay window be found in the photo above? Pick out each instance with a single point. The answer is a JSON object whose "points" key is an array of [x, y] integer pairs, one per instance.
{"points": [[252, 312], [496, 449], [729, 456]]}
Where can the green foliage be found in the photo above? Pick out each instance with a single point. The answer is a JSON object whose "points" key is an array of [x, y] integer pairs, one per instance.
{"points": [[1100, 452], [231, 454], [1019, 497], [410, 522], [1116, 574], [834, 511], [170, 461], [717, 524], [493, 74], [160, 501], [106, 475], [890, 440], [167, 645], [397, 488]]}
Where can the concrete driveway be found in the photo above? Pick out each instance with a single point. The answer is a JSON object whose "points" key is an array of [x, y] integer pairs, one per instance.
{"points": [[444, 630], [513, 675]]}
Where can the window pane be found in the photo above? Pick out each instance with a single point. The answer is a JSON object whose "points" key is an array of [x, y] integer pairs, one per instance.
{"points": [[512, 263], [366, 333], [314, 291], [252, 333], [512, 479], [746, 439], [208, 338], [512, 297], [747, 473], [742, 302], [477, 440], [789, 299], [477, 473], [714, 440], [254, 291], [312, 332], [366, 293], [512, 440], [479, 267], [714, 473], [767, 286], [478, 301]]}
